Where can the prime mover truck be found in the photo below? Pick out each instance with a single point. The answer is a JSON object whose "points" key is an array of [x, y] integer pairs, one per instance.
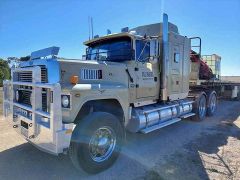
{"points": [[137, 81]]}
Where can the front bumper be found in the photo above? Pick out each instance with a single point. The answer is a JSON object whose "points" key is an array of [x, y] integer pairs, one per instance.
{"points": [[43, 129]]}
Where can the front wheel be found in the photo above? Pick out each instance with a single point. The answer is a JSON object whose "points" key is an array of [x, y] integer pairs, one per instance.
{"points": [[96, 142]]}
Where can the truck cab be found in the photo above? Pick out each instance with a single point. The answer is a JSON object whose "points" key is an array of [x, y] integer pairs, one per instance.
{"points": [[141, 49], [133, 51]]}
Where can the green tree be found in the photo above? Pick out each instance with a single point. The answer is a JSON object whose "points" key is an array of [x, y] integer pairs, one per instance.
{"points": [[4, 71]]}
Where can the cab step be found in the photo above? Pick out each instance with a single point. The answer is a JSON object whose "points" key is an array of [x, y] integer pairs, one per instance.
{"points": [[188, 115], [160, 125]]}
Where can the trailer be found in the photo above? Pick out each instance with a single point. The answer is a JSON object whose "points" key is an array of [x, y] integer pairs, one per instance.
{"points": [[208, 78]]}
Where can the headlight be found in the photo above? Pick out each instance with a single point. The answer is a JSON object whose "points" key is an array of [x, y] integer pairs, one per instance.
{"points": [[65, 101], [17, 95]]}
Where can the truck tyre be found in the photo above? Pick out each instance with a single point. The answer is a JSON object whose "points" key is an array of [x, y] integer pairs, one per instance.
{"points": [[200, 107], [211, 103], [96, 142]]}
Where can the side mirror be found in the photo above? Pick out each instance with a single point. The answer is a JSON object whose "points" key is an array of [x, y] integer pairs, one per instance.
{"points": [[153, 51], [84, 57], [87, 50], [153, 60]]}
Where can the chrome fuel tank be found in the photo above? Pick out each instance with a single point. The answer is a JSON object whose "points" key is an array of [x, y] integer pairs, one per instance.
{"points": [[147, 116]]}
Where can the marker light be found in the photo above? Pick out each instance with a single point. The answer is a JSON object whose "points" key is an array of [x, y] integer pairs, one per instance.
{"points": [[17, 96], [31, 99], [74, 79]]}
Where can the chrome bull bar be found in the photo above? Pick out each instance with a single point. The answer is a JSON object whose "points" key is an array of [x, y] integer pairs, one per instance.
{"points": [[43, 129]]}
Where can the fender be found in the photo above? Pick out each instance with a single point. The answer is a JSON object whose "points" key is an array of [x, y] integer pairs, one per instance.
{"points": [[82, 93]]}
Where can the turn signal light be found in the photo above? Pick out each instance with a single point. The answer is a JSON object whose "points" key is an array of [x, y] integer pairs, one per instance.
{"points": [[74, 79], [68, 131]]}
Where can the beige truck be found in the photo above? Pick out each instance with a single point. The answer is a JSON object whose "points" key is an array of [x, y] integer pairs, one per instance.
{"points": [[136, 81]]}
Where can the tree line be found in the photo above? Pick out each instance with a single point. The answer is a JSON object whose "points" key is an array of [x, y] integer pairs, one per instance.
{"points": [[6, 65], [5, 72]]}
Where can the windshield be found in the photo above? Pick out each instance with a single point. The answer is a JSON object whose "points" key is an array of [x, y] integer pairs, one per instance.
{"points": [[111, 50]]}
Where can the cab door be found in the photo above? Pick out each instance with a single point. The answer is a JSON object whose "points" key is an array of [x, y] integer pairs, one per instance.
{"points": [[146, 73], [146, 81]]}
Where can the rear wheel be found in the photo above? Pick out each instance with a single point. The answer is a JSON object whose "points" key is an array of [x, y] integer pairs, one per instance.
{"points": [[238, 96], [200, 107], [212, 103], [96, 142]]}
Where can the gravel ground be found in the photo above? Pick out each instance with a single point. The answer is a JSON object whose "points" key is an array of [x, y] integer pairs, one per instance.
{"points": [[185, 150], [1, 96]]}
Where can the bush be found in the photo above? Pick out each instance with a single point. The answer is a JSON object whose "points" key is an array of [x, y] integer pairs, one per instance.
{"points": [[4, 71]]}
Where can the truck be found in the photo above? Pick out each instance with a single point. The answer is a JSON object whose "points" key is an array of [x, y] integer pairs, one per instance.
{"points": [[136, 81]]}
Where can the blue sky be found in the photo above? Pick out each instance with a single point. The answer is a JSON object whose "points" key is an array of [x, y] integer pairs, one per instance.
{"points": [[27, 25]]}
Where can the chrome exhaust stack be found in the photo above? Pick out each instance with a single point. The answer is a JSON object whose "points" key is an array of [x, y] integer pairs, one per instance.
{"points": [[165, 56]]}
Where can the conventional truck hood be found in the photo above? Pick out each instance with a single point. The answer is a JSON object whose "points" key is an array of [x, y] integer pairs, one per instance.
{"points": [[93, 72], [88, 71]]}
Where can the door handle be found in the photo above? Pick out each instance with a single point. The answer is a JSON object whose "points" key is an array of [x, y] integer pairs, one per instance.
{"points": [[130, 77]]}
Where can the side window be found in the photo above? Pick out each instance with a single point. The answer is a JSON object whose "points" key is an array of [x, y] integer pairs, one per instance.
{"points": [[142, 50], [176, 57], [102, 52], [93, 55]]}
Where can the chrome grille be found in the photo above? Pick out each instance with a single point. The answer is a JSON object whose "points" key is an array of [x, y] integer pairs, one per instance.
{"points": [[44, 77], [44, 101], [26, 76], [26, 98], [91, 74]]}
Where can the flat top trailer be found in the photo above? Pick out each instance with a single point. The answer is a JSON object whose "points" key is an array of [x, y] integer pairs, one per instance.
{"points": [[206, 75], [225, 89]]}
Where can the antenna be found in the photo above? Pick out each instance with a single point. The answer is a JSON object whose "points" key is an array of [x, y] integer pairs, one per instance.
{"points": [[89, 27], [92, 26]]}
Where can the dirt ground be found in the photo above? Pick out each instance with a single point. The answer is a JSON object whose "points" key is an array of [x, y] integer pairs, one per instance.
{"points": [[1, 98], [186, 150]]}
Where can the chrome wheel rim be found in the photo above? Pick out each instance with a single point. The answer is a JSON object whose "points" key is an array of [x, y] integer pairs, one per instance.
{"points": [[213, 103], [102, 144], [202, 107]]}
